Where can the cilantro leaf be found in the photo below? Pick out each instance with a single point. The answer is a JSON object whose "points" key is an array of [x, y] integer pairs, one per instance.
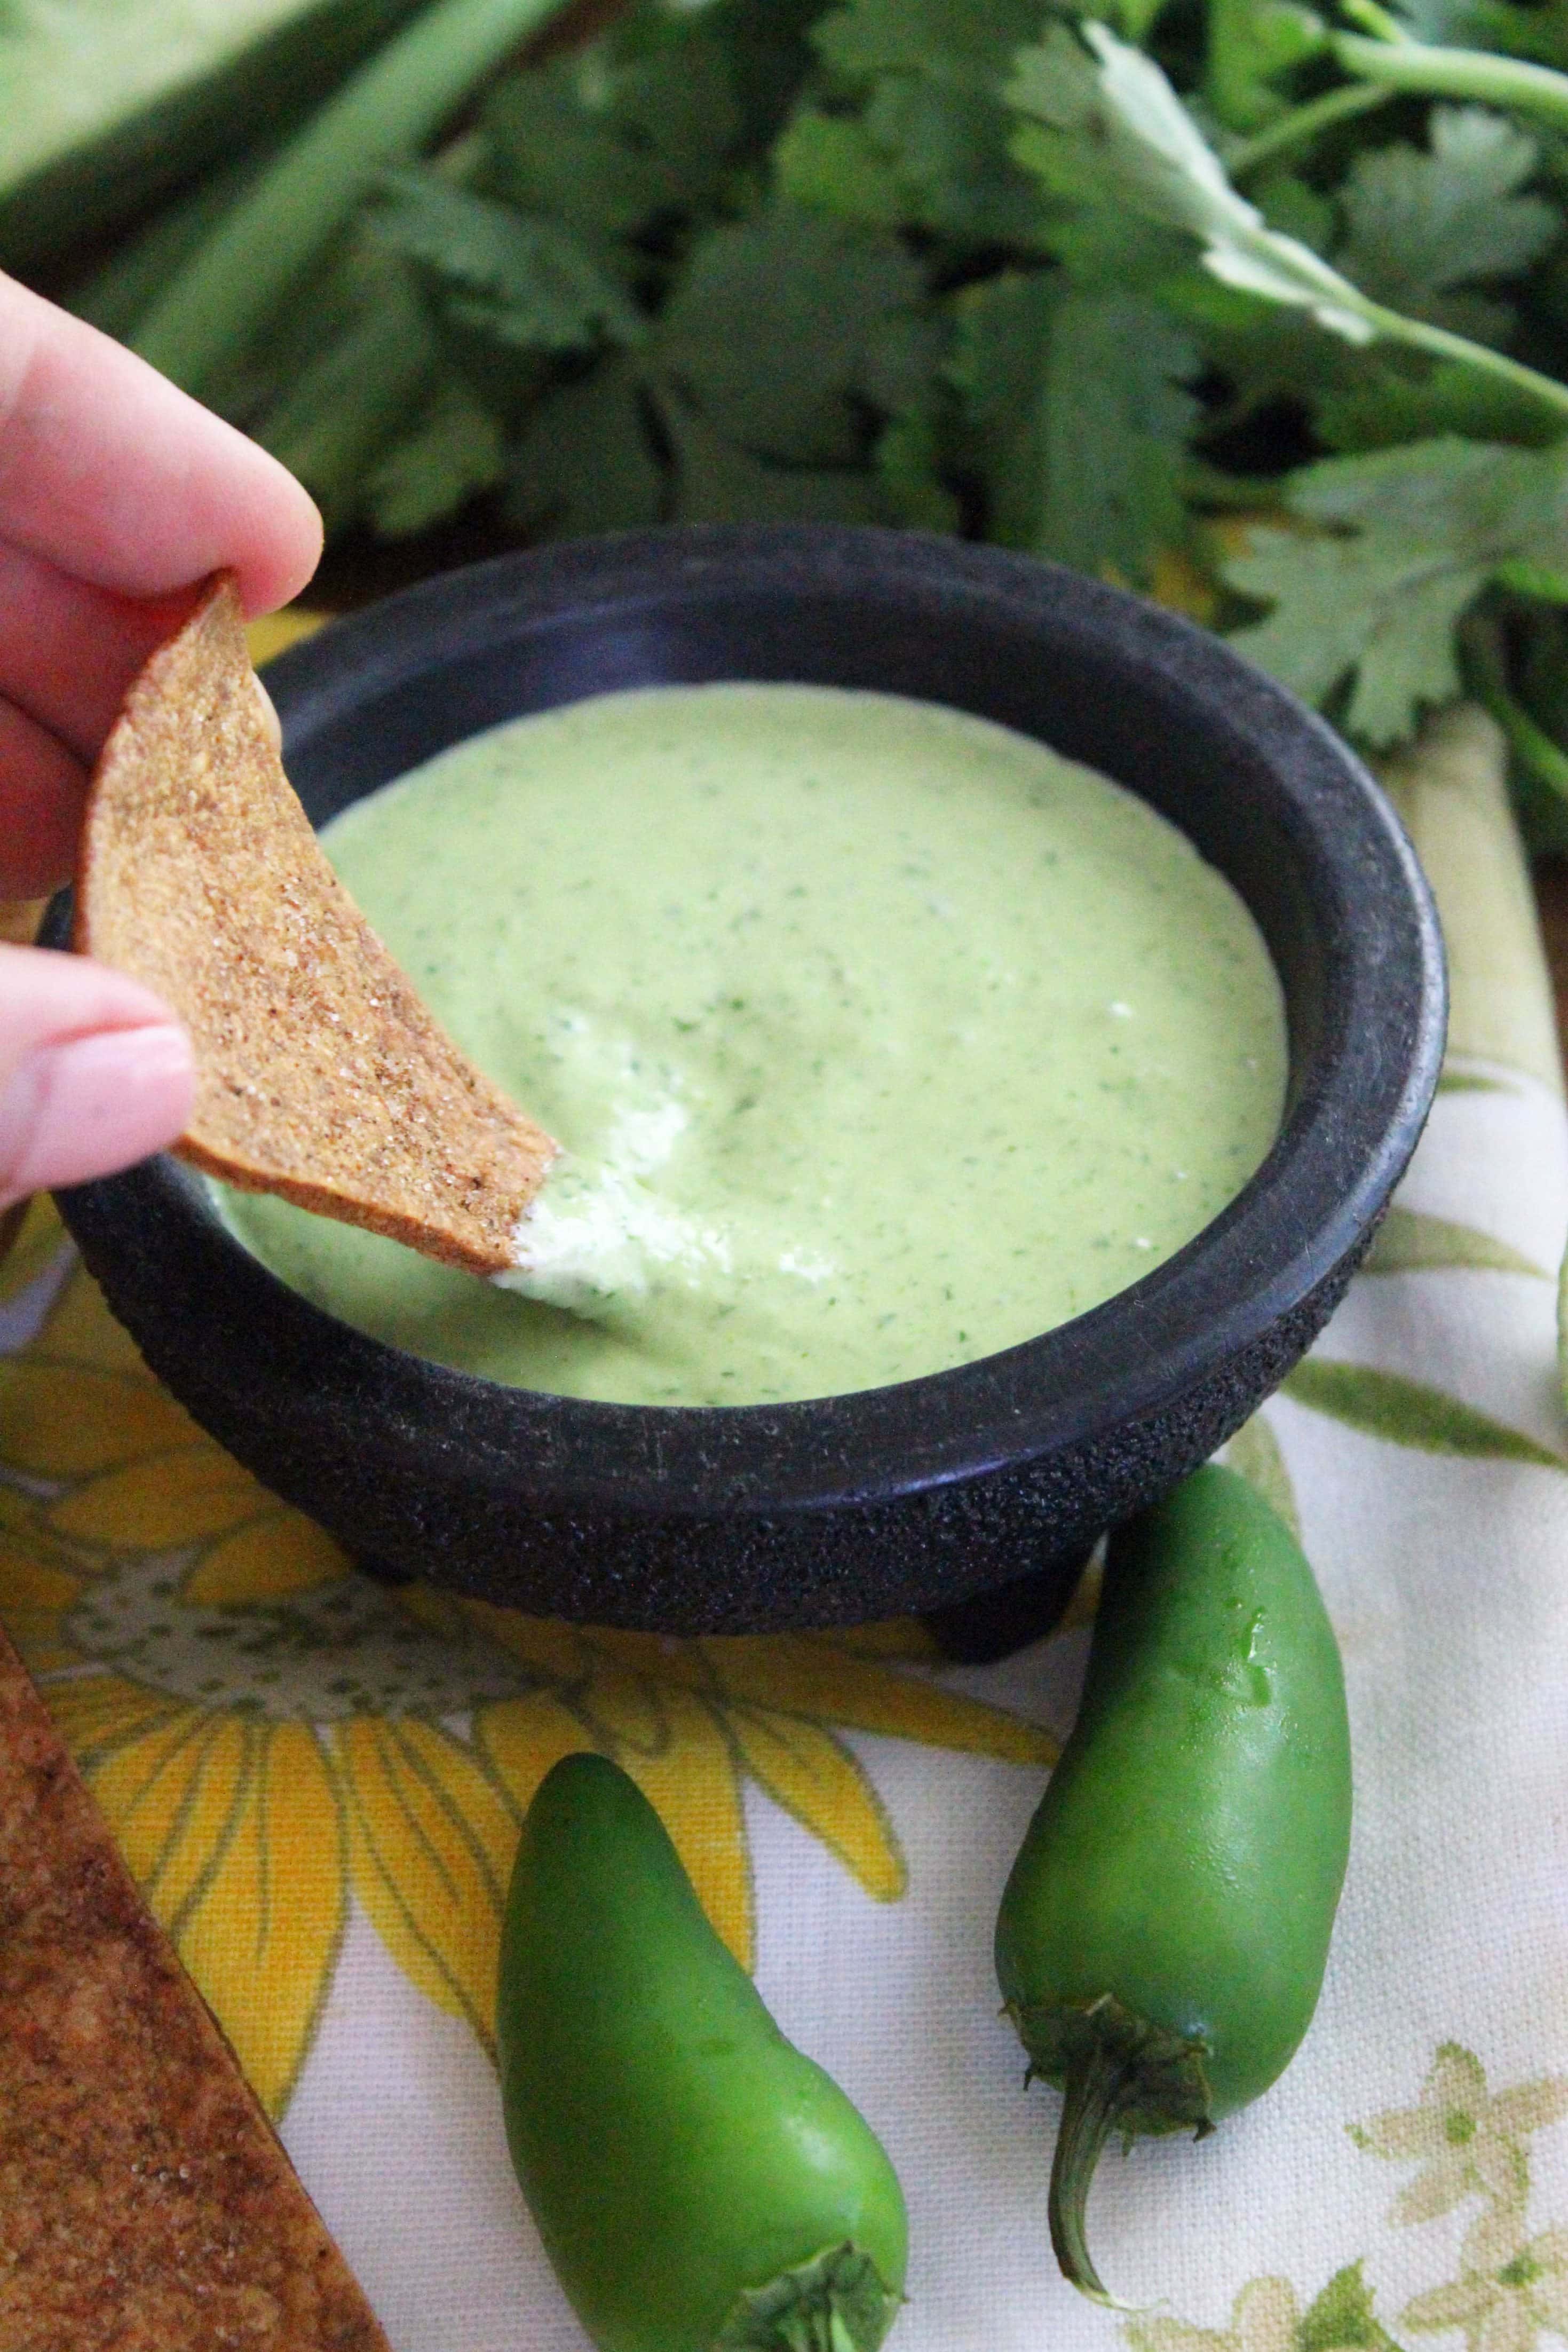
{"points": [[1092, 481], [1538, 29], [1419, 225], [770, 332], [718, 481], [953, 42], [1295, 208], [768, 57], [633, 138], [1370, 396], [588, 460], [519, 279], [1112, 492], [906, 353], [830, 164], [454, 452], [615, 138], [1395, 547], [929, 146], [1106, 126], [1267, 353], [948, 149], [1109, 128], [1002, 328], [343, 378], [1250, 44], [912, 469]]}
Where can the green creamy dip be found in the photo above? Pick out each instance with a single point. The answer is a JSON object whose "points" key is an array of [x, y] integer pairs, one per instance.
{"points": [[879, 1038]]}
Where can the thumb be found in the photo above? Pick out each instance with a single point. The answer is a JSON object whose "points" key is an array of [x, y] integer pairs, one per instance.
{"points": [[95, 1071]]}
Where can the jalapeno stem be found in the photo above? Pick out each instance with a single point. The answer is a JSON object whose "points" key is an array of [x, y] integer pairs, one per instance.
{"points": [[1094, 2091]]}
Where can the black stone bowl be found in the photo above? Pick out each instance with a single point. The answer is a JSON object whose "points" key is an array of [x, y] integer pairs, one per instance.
{"points": [[969, 1496]]}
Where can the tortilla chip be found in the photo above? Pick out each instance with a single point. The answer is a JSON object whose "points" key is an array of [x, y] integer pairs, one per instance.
{"points": [[146, 2204], [320, 1075]]}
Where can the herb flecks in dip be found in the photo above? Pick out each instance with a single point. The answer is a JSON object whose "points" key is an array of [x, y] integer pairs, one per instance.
{"points": [[880, 1038]]}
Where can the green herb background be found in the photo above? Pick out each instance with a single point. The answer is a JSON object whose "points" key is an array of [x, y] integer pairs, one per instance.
{"points": [[1259, 310]]}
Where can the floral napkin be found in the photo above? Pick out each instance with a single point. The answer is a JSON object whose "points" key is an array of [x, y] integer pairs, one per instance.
{"points": [[318, 1779]]}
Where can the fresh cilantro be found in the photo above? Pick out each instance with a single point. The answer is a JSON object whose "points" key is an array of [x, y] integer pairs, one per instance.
{"points": [[344, 378], [957, 43], [770, 332], [1252, 46], [913, 471], [1388, 552], [718, 481], [948, 149], [619, 140], [925, 79], [1104, 124], [1075, 276], [1419, 225], [1107, 134], [1094, 485], [1537, 29], [830, 164], [455, 451], [1295, 208], [1384, 406], [590, 458], [515, 278]]}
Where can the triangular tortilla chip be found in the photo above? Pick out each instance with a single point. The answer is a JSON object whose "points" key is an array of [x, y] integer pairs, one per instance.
{"points": [[321, 1074], [146, 2204]]}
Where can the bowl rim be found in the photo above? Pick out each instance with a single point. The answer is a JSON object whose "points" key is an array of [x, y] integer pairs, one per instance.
{"points": [[1296, 1220]]}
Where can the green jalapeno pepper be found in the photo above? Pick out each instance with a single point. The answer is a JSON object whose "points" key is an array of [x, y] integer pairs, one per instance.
{"points": [[697, 2182], [1163, 1936]]}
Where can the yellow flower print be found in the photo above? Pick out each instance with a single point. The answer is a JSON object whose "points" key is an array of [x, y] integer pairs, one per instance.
{"points": [[1468, 2142], [1505, 2309], [31, 1236], [274, 1736], [1263, 2319]]}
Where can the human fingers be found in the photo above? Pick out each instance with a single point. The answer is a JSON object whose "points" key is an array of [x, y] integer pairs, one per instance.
{"points": [[95, 1071], [109, 472], [42, 789], [69, 651]]}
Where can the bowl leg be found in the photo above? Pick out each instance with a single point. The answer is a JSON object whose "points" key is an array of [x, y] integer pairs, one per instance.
{"points": [[991, 1626]]}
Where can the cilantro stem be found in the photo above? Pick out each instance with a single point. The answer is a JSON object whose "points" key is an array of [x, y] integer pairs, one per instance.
{"points": [[242, 272], [1420, 69], [1485, 668], [1418, 334], [1376, 20], [1303, 123]]}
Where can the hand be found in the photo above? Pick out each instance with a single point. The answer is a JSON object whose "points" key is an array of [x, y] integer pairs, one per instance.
{"points": [[117, 494]]}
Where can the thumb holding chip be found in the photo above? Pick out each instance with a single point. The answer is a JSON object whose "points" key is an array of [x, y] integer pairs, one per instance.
{"points": [[95, 1072], [119, 495]]}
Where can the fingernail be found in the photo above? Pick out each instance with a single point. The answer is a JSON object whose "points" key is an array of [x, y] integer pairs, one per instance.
{"points": [[269, 713], [88, 1105]]}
